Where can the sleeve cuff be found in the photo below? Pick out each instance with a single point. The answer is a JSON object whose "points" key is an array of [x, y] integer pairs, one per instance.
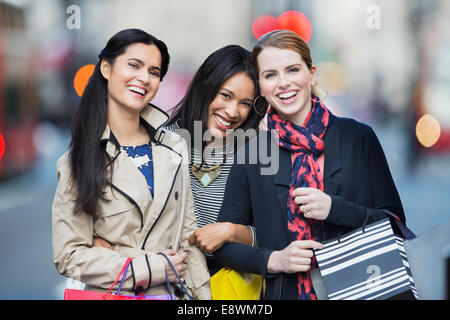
{"points": [[255, 241], [147, 270], [333, 216]]}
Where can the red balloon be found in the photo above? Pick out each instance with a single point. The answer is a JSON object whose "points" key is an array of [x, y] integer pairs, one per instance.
{"points": [[264, 24], [297, 22]]}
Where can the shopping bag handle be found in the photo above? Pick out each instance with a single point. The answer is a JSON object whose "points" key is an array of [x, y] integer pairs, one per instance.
{"points": [[124, 269], [406, 232], [181, 287]]}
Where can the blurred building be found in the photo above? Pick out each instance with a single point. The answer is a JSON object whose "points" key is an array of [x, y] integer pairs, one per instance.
{"points": [[381, 61], [191, 29]]}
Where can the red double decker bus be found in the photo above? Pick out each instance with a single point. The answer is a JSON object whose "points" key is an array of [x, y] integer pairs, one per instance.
{"points": [[18, 94]]}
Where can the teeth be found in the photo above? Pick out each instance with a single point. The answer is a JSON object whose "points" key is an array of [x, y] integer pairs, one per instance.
{"points": [[223, 122], [287, 95], [138, 90]]}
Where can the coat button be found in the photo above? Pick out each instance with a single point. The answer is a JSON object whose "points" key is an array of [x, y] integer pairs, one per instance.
{"points": [[176, 195]]}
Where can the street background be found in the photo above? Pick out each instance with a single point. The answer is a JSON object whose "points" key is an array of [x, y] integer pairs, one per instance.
{"points": [[384, 62]]}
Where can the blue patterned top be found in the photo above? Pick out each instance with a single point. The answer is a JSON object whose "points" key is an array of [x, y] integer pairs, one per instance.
{"points": [[142, 158]]}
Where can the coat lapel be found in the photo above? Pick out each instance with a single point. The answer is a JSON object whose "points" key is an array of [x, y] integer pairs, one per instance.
{"points": [[283, 179], [333, 161], [129, 181], [283, 176], [166, 165]]}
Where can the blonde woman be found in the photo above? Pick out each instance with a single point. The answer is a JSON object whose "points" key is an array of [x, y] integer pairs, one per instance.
{"points": [[333, 175]]}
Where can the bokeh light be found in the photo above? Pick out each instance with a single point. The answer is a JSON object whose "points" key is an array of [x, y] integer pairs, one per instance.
{"points": [[2, 146], [82, 77], [428, 130], [297, 22], [264, 24], [289, 20]]}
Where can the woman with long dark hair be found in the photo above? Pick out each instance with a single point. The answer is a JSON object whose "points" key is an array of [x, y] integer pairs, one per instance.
{"points": [[333, 175], [125, 181], [219, 101]]}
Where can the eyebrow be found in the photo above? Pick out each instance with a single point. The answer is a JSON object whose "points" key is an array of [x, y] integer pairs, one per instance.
{"points": [[273, 70], [294, 65], [142, 63], [232, 93]]}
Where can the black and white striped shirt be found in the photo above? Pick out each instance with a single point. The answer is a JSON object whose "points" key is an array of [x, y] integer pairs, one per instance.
{"points": [[208, 200]]}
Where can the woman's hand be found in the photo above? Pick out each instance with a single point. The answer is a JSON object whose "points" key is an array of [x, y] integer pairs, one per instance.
{"points": [[177, 260], [100, 242], [211, 237], [314, 203], [294, 258]]}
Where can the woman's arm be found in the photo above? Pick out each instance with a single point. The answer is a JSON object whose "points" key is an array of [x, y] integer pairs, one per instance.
{"points": [[74, 256], [384, 191], [212, 236], [236, 209], [341, 211]]}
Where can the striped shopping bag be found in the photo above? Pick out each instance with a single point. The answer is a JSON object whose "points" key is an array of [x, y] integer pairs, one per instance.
{"points": [[369, 263]]}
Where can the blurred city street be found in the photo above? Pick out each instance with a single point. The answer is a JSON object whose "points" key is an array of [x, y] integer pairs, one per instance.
{"points": [[388, 73], [25, 229]]}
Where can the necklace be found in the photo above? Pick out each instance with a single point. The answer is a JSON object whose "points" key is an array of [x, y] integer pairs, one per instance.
{"points": [[206, 175]]}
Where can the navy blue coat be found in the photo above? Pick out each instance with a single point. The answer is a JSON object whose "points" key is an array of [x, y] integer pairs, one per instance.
{"points": [[356, 176]]}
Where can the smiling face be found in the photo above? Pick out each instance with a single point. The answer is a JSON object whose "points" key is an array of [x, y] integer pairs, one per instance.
{"points": [[285, 82], [133, 78], [232, 105]]}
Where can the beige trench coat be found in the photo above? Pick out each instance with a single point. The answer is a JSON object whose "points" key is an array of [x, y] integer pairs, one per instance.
{"points": [[137, 225]]}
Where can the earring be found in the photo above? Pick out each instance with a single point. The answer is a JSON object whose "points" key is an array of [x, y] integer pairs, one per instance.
{"points": [[254, 106], [317, 92]]}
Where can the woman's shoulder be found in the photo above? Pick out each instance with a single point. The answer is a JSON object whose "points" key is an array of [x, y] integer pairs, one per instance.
{"points": [[258, 149], [352, 129], [172, 139], [171, 126], [63, 169], [352, 125], [63, 161], [356, 134], [262, 136]]}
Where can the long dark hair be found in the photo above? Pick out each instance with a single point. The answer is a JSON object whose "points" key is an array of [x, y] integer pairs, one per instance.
{"points": [[221, 65], [88, 158]]}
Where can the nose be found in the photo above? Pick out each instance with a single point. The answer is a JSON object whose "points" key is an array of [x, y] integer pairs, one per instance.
{"points": [[143, 76], [232, 110], [284, 81]]}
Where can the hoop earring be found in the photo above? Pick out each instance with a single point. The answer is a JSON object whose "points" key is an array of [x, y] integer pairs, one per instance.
{"points": [[254, 106], [316, 93]]}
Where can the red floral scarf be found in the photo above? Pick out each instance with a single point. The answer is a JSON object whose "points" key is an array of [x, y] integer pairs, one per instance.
{"points": [[306, 144]]}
